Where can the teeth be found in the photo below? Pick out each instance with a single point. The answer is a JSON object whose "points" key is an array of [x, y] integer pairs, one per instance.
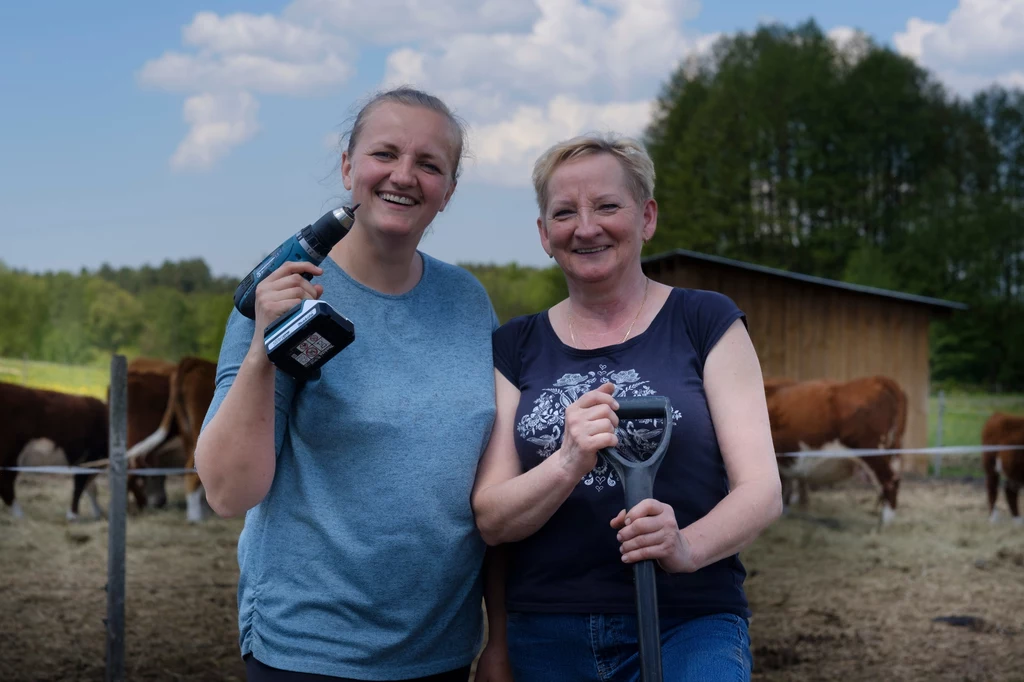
{"points": [[594, 250], [395, 199]]}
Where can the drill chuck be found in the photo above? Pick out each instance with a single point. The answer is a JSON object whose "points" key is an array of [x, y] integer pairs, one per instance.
{"points": [[311, 244]]}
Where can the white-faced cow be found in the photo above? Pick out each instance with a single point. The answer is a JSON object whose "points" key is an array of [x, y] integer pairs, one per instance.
{"points": [[190, 393], [76, 424], [1004, 429], [869, 412], [149, 388]]}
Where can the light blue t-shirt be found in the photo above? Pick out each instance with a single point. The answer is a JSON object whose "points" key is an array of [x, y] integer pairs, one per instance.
{"points": [[363, 560]]}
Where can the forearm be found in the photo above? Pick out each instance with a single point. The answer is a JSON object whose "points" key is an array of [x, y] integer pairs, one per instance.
{"points": [[495, 563], [735, 522], [235, 454], [517, 508]]}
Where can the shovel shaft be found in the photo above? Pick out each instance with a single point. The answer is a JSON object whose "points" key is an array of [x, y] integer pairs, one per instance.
{"points": [[638, 485], [647, 623]]}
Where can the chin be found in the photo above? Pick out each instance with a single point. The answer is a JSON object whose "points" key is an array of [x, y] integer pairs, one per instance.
{"points": [[400, 230], [589, 274]]}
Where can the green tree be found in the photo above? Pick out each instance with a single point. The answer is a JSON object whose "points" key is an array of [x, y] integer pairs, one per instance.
{"points": [[114, 319], [852, 163]]}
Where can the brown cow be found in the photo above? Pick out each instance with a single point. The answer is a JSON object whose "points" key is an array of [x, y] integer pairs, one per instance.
{"points": [[149, 387], [76, 424], [190, 394], [870, 412], [1004, 429]]}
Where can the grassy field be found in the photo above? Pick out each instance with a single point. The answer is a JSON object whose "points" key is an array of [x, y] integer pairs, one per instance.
{"points": [[963, 416], [77, 379]]}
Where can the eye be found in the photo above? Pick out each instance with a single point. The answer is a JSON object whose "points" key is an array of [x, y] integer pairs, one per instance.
{"points": [[433, 168], [382, 155], [563, 213], [607, 208]]}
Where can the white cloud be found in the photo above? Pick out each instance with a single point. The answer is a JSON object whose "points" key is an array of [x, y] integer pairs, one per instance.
{"points": [[251, 72], [266, 34], [850, 42], [980, 43], [218, 122], [524, 73], [504, 151], [253, 53], [235, 56], [393, 22], [603, 49]]}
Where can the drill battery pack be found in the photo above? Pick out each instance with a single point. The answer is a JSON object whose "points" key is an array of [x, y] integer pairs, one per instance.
{"points": [[306, 337]]}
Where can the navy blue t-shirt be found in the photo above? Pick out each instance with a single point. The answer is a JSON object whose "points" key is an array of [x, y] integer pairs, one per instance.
{"points": [[572, 564]]}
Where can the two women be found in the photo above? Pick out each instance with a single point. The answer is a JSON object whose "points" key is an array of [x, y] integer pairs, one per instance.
{"points": [[360, 557]]}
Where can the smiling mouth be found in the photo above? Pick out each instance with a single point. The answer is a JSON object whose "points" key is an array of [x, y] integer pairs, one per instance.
{"points": [[596, 249], [396, 199]]}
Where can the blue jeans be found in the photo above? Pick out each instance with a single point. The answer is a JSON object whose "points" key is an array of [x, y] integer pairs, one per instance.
{"points": [[547, 647]]}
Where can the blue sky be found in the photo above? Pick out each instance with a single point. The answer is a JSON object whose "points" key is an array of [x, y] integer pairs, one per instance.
{"points": [[137, 132]]}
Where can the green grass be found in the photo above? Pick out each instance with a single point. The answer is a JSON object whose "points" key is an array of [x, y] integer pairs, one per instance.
{"points": [[962, 421], [76, 379]]}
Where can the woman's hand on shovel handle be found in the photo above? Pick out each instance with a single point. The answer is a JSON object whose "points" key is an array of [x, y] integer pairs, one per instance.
{"points": [[590, 425], [649, 531]]}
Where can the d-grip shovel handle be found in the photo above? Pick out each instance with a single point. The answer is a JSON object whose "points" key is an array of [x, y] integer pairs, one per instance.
{"points": [[638, 475], [638, 484]]}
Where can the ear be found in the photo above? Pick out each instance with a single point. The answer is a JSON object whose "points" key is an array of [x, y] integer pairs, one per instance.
{"points": [[346, 170], [650, 220], [545, 244], [448, 195]]}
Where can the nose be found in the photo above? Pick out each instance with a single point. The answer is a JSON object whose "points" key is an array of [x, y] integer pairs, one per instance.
{"points": [[401, 174], [586, 224]]}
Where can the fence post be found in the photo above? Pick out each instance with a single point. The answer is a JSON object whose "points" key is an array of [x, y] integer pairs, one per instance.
{"points": [[937, 457], [116, 525]]}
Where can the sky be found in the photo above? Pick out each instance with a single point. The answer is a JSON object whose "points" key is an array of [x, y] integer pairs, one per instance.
{"points": [[137, 132]]}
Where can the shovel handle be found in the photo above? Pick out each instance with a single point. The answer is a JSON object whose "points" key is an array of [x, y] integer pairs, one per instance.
{"points": [[648, 407]]}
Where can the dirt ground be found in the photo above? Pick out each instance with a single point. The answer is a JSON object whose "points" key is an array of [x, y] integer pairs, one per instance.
{"points": [[833, 598]]}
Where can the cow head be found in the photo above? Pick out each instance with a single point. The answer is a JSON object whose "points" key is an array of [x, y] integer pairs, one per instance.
{"points": [[148, 490]]}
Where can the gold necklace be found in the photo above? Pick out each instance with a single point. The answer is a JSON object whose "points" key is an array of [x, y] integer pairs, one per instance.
{"points": [[572, 334]]}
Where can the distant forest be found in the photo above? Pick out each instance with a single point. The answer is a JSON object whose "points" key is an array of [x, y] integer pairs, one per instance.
{"points": [[173, 310], [779, 147]]}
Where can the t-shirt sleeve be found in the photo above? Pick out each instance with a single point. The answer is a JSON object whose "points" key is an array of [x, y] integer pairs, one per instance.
{"points": [[709, 314], [495, 323], [237, 338], [505, 346]]}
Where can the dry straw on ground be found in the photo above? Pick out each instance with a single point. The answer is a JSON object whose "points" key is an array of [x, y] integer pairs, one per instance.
{"points": [[833, 598]]}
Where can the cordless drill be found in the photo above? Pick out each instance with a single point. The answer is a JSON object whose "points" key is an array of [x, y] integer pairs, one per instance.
{"points": [[312, 332]]}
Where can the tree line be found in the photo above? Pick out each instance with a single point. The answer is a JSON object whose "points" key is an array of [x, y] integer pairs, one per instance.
{"points": [[779, 147], [851, 162], [174, 310]]}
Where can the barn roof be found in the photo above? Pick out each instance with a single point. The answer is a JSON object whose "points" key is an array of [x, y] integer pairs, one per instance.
{"points": [[684, 254]]}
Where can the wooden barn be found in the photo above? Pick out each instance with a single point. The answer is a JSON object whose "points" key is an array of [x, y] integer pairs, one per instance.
{"points": [[806, 327]]}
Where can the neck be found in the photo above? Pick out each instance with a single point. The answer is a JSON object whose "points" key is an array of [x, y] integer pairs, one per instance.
{"points": [[604, 315], [390, 266], [608, 302]]}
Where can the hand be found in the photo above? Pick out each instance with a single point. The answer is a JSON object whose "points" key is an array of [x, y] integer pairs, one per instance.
{"points": [[283, 289], [590, 424], [493, 664], [650, 531]]}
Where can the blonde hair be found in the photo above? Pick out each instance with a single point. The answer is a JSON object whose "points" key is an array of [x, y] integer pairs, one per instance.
{"points": [[631, 155]]}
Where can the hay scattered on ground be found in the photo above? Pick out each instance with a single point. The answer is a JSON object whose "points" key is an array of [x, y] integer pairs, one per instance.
{"points": [[833, 598]]}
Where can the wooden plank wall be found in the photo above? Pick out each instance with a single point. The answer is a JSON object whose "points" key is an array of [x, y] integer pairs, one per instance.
{"points": [[809, 331]]}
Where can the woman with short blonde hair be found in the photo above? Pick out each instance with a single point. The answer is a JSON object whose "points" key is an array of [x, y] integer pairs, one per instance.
{"points": [[541, 486]]}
